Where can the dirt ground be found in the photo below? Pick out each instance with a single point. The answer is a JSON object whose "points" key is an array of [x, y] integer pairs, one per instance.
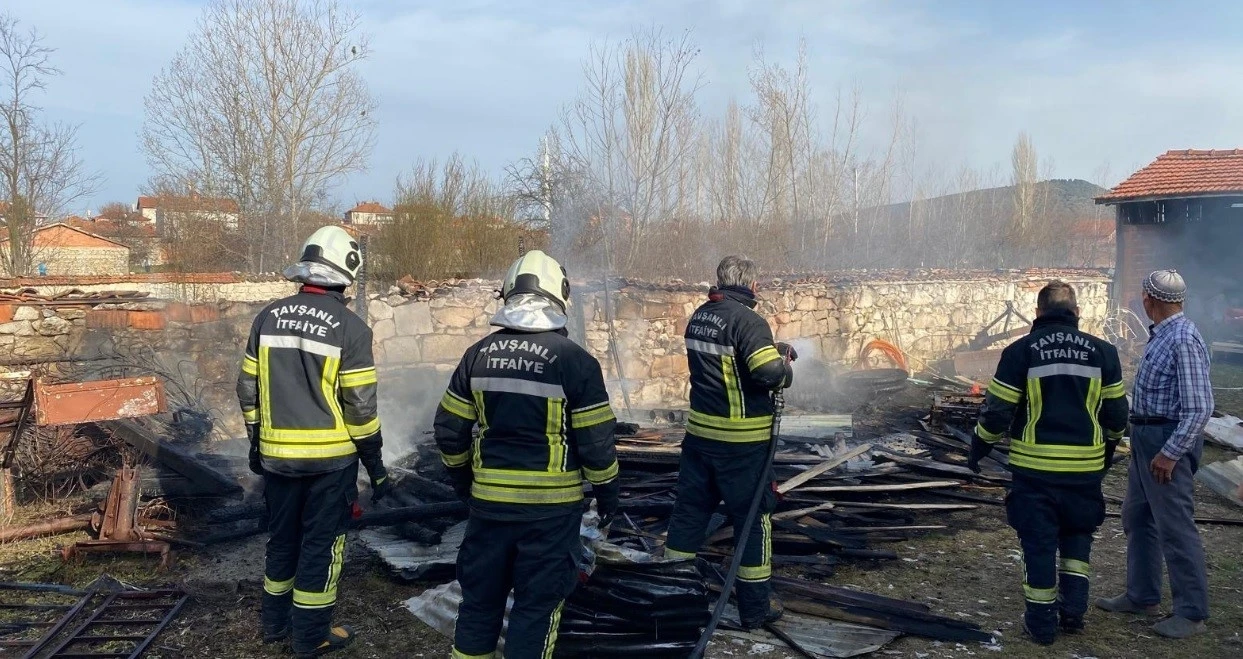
{"points": [[972, 572]]}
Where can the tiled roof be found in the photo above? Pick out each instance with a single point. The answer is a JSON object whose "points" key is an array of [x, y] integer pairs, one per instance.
{"points": [[1185, 173], [193, 202], [113, 228], [65, 236], [370, 207]]}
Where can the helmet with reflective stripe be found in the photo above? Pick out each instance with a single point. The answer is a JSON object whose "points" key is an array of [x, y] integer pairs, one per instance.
{"points": [[537, 273], [335, 248]]}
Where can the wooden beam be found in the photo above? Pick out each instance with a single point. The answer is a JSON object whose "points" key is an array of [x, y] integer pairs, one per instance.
{"points": [[174, 457], [795, 514], [905, 506], [822, 467], [898, 487]]}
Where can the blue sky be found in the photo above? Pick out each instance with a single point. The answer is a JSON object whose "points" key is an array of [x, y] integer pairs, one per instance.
{"points": [[1092, 82]]}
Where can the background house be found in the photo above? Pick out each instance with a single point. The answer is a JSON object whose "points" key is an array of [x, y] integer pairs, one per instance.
{"points": [[40, 218], [166, 209], [369, 213], [146, 249], [1183, 211], [64, 251]]}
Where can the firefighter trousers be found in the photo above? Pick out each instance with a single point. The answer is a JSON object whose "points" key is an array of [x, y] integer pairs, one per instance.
{"points": [[1055, 523], [307, 518], [710, 472], [538, 561]]}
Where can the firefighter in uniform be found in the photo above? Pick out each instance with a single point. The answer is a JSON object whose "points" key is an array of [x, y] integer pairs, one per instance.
{"points": [[308, 394], [1058, 392], [734, 367], [545, 424]]}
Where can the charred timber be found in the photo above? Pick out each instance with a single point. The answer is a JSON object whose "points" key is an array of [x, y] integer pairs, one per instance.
{"points": [[51, 527]]}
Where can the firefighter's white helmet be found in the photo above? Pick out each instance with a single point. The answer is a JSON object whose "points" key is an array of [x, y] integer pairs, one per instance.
{"points": [[537, 273], [336, 248]]}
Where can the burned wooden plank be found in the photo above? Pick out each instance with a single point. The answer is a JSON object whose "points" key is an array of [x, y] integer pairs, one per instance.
{"points": [[895, 487], [173, 457], [940, 468], [823, 467], [50, 527], [875, 610], [943, 507]]}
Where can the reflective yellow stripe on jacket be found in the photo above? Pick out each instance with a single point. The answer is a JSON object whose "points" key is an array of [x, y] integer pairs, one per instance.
{"points": [[305, 444], [724, 429]]}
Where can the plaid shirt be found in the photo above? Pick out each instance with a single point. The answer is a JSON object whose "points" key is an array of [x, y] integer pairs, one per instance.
{"points": [[1173, 382]]}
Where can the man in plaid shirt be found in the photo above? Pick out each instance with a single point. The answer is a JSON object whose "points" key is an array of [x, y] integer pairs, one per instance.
{"points": [[1171, 403]]}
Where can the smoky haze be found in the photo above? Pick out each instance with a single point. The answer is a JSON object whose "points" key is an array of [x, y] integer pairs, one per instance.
{"points": [[408, 396]]}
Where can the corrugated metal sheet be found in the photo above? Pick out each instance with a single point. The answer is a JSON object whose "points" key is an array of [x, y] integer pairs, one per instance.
{"points": [[410, 560], [825, 638], [1223, 478]]}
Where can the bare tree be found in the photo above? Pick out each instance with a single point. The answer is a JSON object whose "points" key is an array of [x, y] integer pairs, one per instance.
{"points": [[265, 106], [40, 172], [629, 134], [1024, 176]]}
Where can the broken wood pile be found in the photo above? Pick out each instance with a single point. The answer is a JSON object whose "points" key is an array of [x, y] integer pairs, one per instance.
{"points": [[830, 509], [847, 505]]}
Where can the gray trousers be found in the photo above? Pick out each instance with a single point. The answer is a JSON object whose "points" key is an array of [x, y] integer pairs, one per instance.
{"points": [[1158, 521]]}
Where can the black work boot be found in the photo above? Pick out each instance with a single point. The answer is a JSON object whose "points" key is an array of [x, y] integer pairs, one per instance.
{"points": [[1040, 622], [275, 617], [775, 611], [1070, 624], [339, 638]]}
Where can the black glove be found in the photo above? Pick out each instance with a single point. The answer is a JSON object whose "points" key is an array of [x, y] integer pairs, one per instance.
{"points": [[1110, 447], [607, 501], [979, 450], [256, 462], [369, 453], [381, 484], [787, 351], [461, 478]]}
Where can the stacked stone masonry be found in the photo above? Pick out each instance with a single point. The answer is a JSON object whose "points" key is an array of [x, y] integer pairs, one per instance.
{"points": [[829, 321], [198, 346]]}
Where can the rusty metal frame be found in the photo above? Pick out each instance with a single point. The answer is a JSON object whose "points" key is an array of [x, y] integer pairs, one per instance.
{"points": [[97, 400], [112, 602], [119, 525]]}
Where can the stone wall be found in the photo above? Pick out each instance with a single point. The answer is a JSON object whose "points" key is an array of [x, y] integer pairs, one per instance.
{"points": [[197, 348], [927, 315], [84, 261], [187, 288]]}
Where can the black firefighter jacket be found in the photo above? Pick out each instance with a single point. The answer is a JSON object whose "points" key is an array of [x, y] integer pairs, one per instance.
{"points": [[544, 424], [734, 367], [308, 380], [1058, 392]]}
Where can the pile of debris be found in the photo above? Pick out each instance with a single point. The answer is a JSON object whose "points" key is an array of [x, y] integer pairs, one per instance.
{"points": [[841, 499]]}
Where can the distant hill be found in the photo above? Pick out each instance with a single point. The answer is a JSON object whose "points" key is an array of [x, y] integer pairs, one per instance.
{"points": [[1066, 198]]}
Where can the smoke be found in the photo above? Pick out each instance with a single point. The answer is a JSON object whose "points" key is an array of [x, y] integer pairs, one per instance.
{"points": [[408, 398], [814, 379], [1205, 252]]}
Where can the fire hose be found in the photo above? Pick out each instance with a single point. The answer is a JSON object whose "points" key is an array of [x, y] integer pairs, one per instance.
{"points": [[763, 484]]}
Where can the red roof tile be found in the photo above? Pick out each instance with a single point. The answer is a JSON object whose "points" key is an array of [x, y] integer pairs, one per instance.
{"points": [[370, 207], [193, 202], [65, 236], [114, 228], [1185, 173]]}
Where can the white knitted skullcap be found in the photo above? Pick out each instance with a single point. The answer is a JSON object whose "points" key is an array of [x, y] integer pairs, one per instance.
{"points": [[1166, 286]]}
